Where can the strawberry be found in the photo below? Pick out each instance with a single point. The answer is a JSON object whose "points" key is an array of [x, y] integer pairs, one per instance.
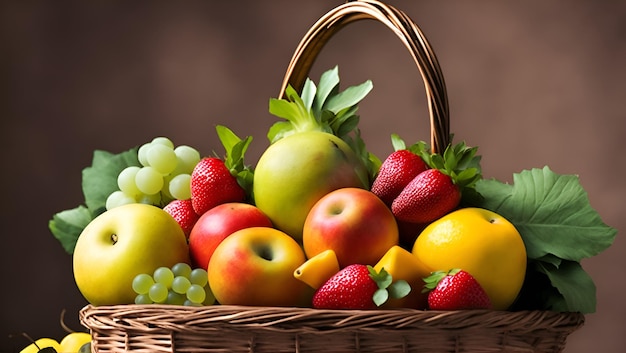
{"points": [[212, 184], [215, 181], [427, 197], [437, 191], [183, 213], [455, 290], [398, 169], [358, 286]]}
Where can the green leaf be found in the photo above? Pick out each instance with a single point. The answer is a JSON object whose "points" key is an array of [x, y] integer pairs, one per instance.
{"points": [[66, 226], [308, 94], [349, 97], [397, 142], [552, 213], [380, 296], [328, 84], [279, 130], [100, 180], [399, 289], [574, 284]]}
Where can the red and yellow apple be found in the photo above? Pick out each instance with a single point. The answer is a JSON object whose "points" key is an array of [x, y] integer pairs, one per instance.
{"points": [[218, 223], [254, 266], [354, 223], [121, 243]]}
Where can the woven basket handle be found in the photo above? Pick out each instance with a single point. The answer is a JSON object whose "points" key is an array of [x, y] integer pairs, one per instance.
{"points": [[408, 32]]}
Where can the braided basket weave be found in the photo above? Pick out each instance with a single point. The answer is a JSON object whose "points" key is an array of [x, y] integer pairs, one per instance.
{"points": [[226, 328]]}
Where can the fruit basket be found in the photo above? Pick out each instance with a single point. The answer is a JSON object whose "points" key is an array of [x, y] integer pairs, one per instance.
{"points": [[235, 328]]}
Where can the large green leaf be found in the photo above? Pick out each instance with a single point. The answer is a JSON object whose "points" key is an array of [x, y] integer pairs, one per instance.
{"points": [[552, 213]]}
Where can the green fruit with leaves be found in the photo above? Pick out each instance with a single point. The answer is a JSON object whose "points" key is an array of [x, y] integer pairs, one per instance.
{"points": [[317, 149]]}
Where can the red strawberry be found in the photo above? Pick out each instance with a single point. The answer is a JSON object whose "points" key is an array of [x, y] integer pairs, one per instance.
{"points": [[183, 213], [455, 290], [212, 184], [437, 191], [398, 169], [358, 286], [427, 197]]}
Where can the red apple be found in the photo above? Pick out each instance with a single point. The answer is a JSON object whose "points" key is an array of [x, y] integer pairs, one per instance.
{"points": [[218, 223], [254, 266], [353, 222]]}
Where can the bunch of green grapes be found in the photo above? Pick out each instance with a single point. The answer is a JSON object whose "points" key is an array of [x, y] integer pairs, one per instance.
{"points": [[164, 175], [179, 285]]}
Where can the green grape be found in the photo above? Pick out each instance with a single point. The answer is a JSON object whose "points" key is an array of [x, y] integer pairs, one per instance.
{"points": [[180, 187], [188, 157], [126, 181], [149, 181], [175, 298], [161, 140], [118, 198], [149, 199], [199, 276], [143, 299], [164, 275], [162, 158], [181, 269], [142, 283], [190, 303], [196, 294], [158, 292], [181, 284], [142, 154]]}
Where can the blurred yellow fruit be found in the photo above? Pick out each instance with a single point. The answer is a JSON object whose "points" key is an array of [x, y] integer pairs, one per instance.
{"points": [[72, 342], [482, 243], [41, 344], [403, 265], [318, 269]]}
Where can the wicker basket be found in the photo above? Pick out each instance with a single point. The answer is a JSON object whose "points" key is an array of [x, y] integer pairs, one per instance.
{"points": [[224, 328]]}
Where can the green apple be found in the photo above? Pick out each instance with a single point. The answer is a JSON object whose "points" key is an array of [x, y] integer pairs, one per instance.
{"points": [[121, 243], [254, 266], [297, 170], [354, 223]]}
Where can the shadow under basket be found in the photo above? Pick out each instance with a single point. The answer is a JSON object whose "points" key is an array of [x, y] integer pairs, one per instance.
{"points": [[225, 328]]}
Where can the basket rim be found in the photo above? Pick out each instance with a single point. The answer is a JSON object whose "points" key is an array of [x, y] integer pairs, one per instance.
{"points": [[294, 318]]}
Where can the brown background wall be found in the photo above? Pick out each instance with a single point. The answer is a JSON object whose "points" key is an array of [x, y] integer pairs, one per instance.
{"points": [[531, 83]]}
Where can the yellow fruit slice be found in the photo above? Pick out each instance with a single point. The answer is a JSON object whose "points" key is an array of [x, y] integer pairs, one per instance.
{"points": [[482, 243], [41, 344], [318, 269], [403, 265], [72, 342]]}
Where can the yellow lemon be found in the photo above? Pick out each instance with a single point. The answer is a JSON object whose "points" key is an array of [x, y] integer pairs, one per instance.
{"points": [[72, 342], [41, 344], [482, 243]]}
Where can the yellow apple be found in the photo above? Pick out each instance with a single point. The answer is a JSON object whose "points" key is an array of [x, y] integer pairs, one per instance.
{"points": [[254, 266], [121, 243], [353, 222], [72, 342]]}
